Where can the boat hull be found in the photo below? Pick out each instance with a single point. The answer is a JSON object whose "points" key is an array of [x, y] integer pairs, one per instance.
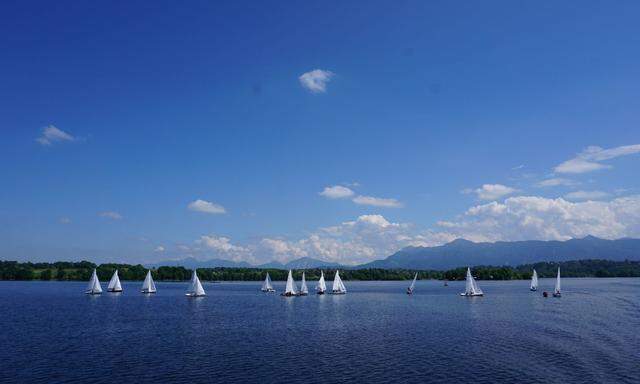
{"points": [[289, 294], [147, 291], [114, 290], [338, 293], [320, 293], [92, 293], [193, 295], [557, 294], [471, 294], [268, 290], [533, 289]]}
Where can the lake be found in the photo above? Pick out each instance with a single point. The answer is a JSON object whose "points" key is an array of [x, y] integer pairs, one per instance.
{"points": [[52, 332]]}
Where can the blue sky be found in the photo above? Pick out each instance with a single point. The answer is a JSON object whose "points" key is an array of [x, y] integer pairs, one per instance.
{"points": [[140, 131]]}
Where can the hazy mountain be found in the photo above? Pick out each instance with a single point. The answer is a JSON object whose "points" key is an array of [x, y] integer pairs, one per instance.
{"points": [[191, 263], [301, 263], [460, 253]]}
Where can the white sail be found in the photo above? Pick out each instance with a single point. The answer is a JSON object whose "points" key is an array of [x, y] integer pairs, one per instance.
{"points": [[534, 280], [322, 286], [148, 286], [291, 288], [114, 283], [267, 286], [303, 287], [471, 287], [195, 287], [338, 285], [413, 283], [94, 284], [557, 289]]}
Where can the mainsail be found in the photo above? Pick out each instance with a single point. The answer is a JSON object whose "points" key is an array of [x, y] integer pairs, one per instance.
{"points": [[338, 285], [556, 291], [322, 286], [303, 287], [195, 287], [267, 286], [471, 288], [94, 284], [148, 286], [534, 281], [290, 289], [114, 283], [413, 283]]}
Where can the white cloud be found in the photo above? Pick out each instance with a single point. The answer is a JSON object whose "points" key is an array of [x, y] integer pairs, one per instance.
{"points": [[586, 195], [493, 191], [316, 81], [589, 159], [159, 249], [555, 182], [336, 192], [377, 202], [206, 207], [51, 135], [65, 220], [110, 215]]}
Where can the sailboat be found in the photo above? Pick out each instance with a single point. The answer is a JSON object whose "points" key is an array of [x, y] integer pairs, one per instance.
{"points": [[471, 289], [338, 285], [322, 286], [412, 286], [94, 287], [148, 286], [195, 287], [267, 286], [290, 289], [534, 281], [304, 291], [556, 291], [114, 283]]}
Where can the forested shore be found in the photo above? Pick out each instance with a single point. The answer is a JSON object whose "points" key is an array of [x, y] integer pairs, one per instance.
{"points": [[81, 271]]}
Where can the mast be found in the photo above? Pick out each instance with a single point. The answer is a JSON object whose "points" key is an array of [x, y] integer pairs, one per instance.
{"points": [[413, 283], [557, 290], [303, 287]]}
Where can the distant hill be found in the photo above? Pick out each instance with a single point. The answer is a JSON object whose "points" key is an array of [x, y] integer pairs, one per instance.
{"points": [[301, 263], [460, 253]]}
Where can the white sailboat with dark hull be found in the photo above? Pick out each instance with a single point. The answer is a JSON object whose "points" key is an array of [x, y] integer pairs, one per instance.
{"points": [[321, 288], [304, 291], [291, 289], [413, 285], [114, 283], [267, 286], [195, 287], [94, 287], [338, 285], [534, 281], [471, 287], [148, 286], [556, 290]]}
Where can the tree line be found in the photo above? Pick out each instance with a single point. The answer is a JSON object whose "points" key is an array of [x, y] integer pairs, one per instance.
{"points": [[61, 271]]}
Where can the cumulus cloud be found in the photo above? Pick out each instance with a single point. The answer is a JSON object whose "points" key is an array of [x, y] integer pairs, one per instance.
{"points": [[377, 202], [590, 158], [316, 81], [493, 191], [556, 182], [206, 207], [159, 249], [52, 134], [336, 192], [110, 215], [586, 195]]}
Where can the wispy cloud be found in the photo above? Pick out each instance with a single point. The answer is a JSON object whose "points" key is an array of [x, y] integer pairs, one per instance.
{"points": [[556, 182], [110, 215], [586, 195], [377, 202], [316, 81], [65, 220], [336, 192], [206, 207], [493, 191], [590, 159], [51, 135], [159, 249]]}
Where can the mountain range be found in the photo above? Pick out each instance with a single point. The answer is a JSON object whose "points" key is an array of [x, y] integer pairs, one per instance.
{"points": [[461, 253]]}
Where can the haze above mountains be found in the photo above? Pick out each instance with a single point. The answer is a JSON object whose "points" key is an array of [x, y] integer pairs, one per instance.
{"points": [[460, 253]]}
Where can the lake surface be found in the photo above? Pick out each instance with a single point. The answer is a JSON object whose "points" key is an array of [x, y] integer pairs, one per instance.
{"points": [[52, 332]]}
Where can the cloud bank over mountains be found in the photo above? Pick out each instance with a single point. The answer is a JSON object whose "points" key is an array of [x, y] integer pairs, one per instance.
{"points": [[371, 237]]}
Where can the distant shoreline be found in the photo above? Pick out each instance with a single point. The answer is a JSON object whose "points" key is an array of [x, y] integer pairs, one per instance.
{"points": [[81, 271]]}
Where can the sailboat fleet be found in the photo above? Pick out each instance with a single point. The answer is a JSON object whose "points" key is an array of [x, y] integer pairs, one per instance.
{"points": [[195, 288]]}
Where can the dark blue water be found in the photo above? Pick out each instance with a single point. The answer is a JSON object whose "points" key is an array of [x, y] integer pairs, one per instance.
{"points": [[52, 332]]}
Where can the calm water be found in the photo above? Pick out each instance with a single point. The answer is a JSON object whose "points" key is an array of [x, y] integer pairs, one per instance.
{"points": [[51, 332]]}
